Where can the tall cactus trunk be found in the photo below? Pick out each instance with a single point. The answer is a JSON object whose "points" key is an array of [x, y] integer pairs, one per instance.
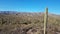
{"points": [[45, 20]]}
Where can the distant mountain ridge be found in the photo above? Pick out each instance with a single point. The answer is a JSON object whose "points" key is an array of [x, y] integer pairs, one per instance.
{"points": [[28, 13], [8, 12]]}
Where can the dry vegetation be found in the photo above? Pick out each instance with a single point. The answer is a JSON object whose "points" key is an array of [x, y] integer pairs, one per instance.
{"points": [[28, 23]]}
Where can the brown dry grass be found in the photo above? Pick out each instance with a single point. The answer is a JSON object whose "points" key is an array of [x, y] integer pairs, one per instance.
{"points": [[28, 24]]}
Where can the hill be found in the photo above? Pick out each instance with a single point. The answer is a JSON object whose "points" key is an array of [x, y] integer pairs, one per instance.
{"points": [[27, 23]]}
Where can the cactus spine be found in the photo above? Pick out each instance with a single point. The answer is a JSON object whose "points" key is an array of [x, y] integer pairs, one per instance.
{"points": [[45, 20]]}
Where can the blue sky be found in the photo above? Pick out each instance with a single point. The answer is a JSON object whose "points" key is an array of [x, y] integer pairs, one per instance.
{"points": [[30, 5]]}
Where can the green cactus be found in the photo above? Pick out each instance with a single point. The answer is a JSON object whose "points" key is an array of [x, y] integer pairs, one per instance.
{"points": [[45, 21]]}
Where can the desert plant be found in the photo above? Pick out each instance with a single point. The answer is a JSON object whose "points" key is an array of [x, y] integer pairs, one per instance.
{"points": [[45, 21]]}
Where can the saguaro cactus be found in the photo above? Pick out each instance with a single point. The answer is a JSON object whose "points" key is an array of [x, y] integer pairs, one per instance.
{"points": [[45, 20]]}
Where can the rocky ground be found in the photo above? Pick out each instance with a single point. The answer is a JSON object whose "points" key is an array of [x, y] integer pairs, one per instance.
{"points": [[28, 23]]}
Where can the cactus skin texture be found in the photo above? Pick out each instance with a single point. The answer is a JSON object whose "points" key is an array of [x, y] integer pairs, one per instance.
{"points": [[45, 20]]}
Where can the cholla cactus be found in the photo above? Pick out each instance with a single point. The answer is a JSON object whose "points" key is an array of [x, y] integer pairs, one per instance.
{"points": [[45, 21]]}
